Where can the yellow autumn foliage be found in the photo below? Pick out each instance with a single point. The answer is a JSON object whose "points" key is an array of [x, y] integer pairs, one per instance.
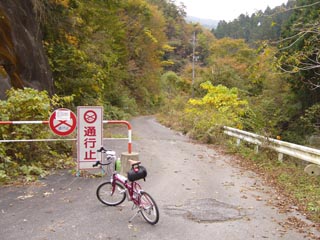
{"points": [[64, 3], [221, 106]]}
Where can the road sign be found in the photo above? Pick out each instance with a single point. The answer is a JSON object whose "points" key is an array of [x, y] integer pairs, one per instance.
{"points": [[62, 122], [90, 135]]}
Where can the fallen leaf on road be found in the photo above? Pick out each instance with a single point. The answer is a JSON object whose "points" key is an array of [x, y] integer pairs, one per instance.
{"points": [[45, 194], [25, 197]]}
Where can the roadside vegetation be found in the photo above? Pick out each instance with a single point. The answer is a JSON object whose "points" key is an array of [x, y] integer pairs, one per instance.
{"points": [[262, 87], [28, 161], [258, 73]]}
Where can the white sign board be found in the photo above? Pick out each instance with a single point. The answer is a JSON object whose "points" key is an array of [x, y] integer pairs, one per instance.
{"points": [[90, 135], [63, 114]]}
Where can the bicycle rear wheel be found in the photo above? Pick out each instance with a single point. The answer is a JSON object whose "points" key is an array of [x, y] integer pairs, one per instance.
{"points": [[111, 194], [149, 208]]}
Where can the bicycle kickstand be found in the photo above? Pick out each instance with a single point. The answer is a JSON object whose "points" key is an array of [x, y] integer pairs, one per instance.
{"points": [[130, 220]]}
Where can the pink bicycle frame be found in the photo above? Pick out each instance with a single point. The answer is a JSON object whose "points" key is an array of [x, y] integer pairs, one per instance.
{"points": [[131, 188]]}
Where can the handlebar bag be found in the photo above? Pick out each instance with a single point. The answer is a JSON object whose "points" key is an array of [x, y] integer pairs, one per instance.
{"points": [[137, 173]]}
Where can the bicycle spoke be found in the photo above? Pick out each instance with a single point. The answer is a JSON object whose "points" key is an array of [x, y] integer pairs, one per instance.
{"points": [[149, 208], [111, 195]]}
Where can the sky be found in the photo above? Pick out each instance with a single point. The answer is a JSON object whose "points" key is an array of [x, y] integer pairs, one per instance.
{"points": [[226, 9]]}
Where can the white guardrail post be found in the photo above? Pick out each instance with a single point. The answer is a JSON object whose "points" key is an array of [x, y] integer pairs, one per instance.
{"points": [[308, 154]]}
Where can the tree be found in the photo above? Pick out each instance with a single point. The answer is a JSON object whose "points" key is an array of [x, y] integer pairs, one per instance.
{"points": [[106, 52], [299, 50], [229, 62], [178, 33], [262, 25], [219, 107]]}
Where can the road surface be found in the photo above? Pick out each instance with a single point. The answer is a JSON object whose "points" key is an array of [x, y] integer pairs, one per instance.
{"points": [[201, 194]]}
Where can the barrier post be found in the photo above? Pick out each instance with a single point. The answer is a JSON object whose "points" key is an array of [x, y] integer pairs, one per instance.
{"points": [[126, 156], [125, 165], [129, 131]]}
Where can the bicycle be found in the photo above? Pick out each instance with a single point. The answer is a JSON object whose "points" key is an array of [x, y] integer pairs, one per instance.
{"points": [[114, 191]]}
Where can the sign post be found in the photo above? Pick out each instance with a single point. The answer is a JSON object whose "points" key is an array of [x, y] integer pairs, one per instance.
{"points": [[90, 135], [62, 122]]}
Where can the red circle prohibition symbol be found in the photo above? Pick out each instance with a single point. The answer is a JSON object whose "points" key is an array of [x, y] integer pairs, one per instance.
{"points": [[90, 116], [62, 127]]}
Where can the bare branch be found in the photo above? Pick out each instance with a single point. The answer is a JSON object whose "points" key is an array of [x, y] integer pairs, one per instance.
{"points": [[296, 8], [300, 33]]}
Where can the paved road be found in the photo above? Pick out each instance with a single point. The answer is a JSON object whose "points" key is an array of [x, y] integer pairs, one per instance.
{"points": [[201, 195]]}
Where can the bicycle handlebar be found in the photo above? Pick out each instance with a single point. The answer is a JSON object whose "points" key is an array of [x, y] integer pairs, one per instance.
{"points": [[100, 163], [102, 150]]}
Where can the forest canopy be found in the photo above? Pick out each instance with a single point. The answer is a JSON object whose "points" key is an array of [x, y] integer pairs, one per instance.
{"points": [[141, 56], [292, 29]]}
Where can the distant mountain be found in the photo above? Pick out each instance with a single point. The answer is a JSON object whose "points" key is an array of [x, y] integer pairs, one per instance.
{"points": [[208, 23]]}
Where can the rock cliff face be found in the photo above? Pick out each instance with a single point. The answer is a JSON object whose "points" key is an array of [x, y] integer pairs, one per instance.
{"points": [[23, 62]]}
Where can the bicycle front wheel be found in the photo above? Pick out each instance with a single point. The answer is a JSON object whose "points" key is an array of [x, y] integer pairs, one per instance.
{"points": [[149, 208], [111, 194]]}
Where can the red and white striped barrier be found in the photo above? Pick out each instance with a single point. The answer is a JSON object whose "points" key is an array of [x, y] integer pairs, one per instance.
{"points": [[129, 131], [67, 139], [24, 122]]}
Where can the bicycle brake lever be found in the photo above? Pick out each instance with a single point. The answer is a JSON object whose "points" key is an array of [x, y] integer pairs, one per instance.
{"points": [[101, 149]]}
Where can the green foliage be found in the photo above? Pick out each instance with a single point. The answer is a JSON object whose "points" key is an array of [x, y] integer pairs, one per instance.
{"points": [[230, 62], [253, 72], [29, 159], [310, 120], [112, 112], [172, 84], [27, 104], [172, 108], [261, 25], [75, 75], [298, 52], [112, 53], [294, 27], [270, 103], [178, 33], [298, 55], [104, 53], [3, 176]]}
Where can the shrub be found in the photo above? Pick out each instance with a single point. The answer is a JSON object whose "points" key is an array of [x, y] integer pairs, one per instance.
{"points": [[219, 107], [31, 158]]}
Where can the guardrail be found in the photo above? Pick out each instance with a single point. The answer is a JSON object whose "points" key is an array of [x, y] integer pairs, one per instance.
{"points": [[308, 154], [129, 138]]}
